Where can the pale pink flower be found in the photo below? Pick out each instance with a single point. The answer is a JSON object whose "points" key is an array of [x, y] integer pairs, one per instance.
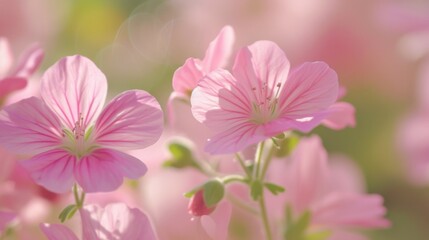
{"points": [[261, 99], [12, 77], [73, 137], [334, 200], [114, 222]]}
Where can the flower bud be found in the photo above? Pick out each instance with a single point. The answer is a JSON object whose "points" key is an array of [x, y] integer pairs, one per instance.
{"points": [[197, 206]]}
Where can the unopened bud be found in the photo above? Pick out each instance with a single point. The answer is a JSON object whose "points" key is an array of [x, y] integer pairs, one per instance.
{"points": [[197, 206]]}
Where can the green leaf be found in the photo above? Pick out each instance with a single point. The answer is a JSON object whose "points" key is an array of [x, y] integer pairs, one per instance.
{"points": [[274, 188], [68, 212], [297, 230], [286, 146], [182, 157], [213, 192], [256, 189], [322, 235], [191, 193]]}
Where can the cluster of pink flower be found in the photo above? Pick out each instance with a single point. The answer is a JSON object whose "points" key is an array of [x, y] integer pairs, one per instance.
{"points": [[247, 115]]}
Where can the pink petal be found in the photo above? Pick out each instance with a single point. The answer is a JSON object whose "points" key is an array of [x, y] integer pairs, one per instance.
{"points": [[186, 77], [340, 115], [5, 219], [219, 50], [11, 84], [311, 88], [350, 210], [307, 174], [259, 68], [132, 120], [104, 169], [74, 87], [115, 222], [52, 169], [57, 232], [34, 127], [217, 101], [6, 57], [29, 62]]}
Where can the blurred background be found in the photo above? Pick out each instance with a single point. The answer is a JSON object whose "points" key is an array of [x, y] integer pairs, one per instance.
{"points": [[379, 49]]}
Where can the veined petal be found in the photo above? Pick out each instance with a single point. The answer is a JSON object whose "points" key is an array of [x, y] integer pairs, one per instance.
{"points": [[186, 77], [310, 88], [73, 88], [219, 50], [52, 169], [261, 69], [132, 120], [235, 139], [29, 61], [115, 222], [29, 127], [57, 232], [218, 102], [6, 57], [340, 115], [104, 170], [11, 84]]}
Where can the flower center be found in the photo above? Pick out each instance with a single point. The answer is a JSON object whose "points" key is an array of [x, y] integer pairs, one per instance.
{"points": [[265, 104], [78, 141]]}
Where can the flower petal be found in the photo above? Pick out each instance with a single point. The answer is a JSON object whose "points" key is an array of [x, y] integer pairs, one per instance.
{"points": [[74, 87], [340, 115], [116, 221], [34, 127], [350, 210], [260, 69], [219, 50], [57, 232], [310, 88], [29, 61], [5, 219], [132, 120], [104, 169], [186, 77], [11, 84], [52, 170], [6, 57]]}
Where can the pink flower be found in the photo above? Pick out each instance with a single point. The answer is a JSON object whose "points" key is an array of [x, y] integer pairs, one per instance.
{"points": [[334, 200], [5, 219], [12, 79], [73, 137], [261, 99], [340, 114], [114, 222], [186, 77]]}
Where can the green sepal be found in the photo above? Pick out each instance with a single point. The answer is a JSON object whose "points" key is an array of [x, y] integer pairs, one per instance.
{"points": [[256, 189], [182, 157], [214, 192], [285, 146], [68, 212], [274, 188], [296, 230]]}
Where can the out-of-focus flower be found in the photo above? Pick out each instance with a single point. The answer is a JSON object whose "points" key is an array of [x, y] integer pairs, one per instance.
{"points": [[114, 222], [260, 99], [197, 206], [12, 77], [340, 114], [5, 219], [327, 192], [74, 139]]}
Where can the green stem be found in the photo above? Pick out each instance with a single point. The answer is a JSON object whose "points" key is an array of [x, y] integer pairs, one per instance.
{"points": [[267, 162], [264, 215], [258, 158], [234, 178], [78, 199], [243, 165]]}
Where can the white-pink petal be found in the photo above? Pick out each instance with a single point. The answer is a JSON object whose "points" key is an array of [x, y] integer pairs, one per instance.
{"points": [[219, 50], [6, 57], [104, 170], [310, 88], [29, 61], [34, 127], [132, 120], [73, 88], [57, 232], [115, 222], [52, 169], [186, 77]]}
